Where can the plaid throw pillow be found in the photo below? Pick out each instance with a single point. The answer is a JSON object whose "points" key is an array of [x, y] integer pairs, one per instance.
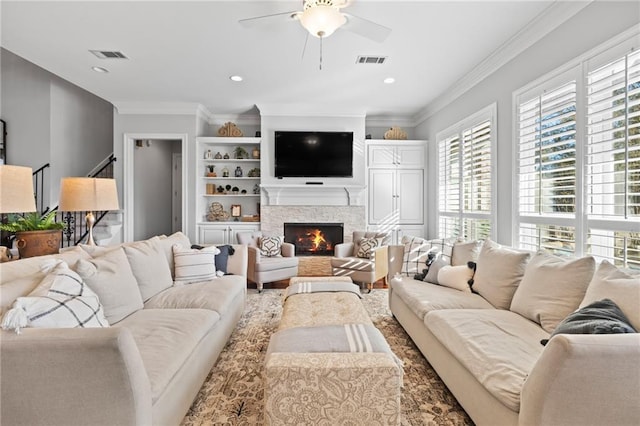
{"points": [[270, 246], [366, 247], [193, 265], [68, 303], [416, 253]]}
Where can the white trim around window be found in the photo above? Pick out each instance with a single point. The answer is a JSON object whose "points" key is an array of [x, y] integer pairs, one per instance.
{"points": [[466, 177]]}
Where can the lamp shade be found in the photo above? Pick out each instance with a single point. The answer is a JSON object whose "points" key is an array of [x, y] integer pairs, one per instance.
{"points": [[322, 21], [16, 189], [88, 194]]}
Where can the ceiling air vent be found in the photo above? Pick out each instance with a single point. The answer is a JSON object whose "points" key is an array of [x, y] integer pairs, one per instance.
{"points": [[108, 54], [371, 59]]}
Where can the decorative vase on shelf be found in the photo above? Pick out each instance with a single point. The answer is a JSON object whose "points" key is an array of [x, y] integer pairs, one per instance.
{"points": [[238, 172], [226, 156], [208, 155], [218, 156], [225, 172], [255, 153]]}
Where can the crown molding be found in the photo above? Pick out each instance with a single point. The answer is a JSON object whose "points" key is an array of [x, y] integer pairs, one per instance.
{"points": [[161, 108], [244, 119], [546, 21]]}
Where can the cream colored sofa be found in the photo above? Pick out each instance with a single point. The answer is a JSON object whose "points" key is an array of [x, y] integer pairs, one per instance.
{"points": [[141, 370], [491, 357]]}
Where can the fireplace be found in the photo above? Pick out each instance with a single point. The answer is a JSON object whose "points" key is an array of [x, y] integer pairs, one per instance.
{"points": [[314, 239]]}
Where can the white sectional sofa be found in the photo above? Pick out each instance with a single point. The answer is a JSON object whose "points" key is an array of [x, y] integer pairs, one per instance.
{"points": [[147, 366], [486, 346]]}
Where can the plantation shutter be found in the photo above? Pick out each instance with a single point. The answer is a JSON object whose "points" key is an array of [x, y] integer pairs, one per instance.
{"points": [[547, 152], [613, 139], [476, 168]]}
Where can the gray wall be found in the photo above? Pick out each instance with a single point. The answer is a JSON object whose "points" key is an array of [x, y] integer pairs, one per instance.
{"points": [[50, 120], [152, 174], [594, 25]]}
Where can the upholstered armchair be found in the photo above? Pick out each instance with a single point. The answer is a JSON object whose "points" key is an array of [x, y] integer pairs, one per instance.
{"points": [[364, 259], [269, 258]]}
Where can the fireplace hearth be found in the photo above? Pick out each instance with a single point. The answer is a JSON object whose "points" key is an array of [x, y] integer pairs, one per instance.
{"points": [[314, 239]]}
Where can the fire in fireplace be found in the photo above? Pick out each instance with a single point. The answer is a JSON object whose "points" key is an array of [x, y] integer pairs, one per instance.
{"points": [[314, 239]]}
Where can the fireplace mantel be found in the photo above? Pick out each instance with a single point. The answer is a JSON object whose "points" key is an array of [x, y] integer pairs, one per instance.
{"points": [[309, 195]]}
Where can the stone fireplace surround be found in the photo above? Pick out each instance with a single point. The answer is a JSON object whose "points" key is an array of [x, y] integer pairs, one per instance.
{"points": [[273, 217]]}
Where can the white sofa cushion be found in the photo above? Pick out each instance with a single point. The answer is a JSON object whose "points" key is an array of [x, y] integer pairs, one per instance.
{"points": [[609, 282], [498, 273], [166, 246], [551, 288], [498, 347], [464, 252], [423, 297], [110, 277], [150, 267], [166, 338]]}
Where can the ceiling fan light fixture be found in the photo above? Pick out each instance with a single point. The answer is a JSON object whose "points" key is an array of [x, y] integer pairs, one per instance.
{"points": [[321, 21]]}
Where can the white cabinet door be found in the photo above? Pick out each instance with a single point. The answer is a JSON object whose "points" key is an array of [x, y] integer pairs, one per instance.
{"points": [[411, 156], [382, 196], [409, 231], [241, 227], [381, 156], [410, 196], [213, 234]]}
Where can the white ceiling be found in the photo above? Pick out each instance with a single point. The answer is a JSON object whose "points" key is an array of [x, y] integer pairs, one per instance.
{"points": [[182, 51]]}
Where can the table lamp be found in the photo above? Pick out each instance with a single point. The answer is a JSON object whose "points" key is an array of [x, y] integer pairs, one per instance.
{"points": [[16, 189], [79, 194]]}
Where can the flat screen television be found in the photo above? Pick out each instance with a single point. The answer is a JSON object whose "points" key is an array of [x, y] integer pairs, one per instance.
{"points": [[313, 154]]}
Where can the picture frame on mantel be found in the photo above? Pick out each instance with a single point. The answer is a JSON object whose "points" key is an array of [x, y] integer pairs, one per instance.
{"points": [[3, 142]]}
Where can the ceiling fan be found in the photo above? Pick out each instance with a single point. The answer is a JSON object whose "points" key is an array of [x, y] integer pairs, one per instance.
{"points": [[321, 18]]}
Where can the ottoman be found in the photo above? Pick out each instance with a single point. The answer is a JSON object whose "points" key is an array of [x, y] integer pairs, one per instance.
{"points": [[306, 384]]}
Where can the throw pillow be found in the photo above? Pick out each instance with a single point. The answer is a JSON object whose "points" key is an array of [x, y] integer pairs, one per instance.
{"points": [[222, 258], [434, 270], [193, 265], [462, 253], [498, 273], [366, 247], [149, 267], [111, 278], [456, 277], [621, 287], [166, 246], [68, 302], [271, 246], [552, 288], [416, 253], [601, 317]]}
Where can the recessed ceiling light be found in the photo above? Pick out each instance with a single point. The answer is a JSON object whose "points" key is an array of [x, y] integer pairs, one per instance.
{"points": [[236, 78], [100, 69], [389, 80]]}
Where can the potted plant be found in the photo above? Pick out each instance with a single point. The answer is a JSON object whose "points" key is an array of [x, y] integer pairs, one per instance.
{"points": [[241, 153], [36, 235]]}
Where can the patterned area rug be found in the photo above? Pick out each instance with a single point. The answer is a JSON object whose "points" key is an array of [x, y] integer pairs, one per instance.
{"points": [[233, 391]]}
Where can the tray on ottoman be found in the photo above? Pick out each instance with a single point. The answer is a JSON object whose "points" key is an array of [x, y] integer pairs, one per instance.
{"points": [[360, 385]]}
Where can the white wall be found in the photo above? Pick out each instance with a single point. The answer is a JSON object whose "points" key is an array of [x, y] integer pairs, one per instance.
{"points": [[144, 126], [594, 25]]}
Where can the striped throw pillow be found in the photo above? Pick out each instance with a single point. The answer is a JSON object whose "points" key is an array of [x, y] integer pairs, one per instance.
{"points": [[193, 265]]}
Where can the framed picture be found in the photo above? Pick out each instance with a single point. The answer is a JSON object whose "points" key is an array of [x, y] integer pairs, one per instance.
{"points": [[236, 210]]}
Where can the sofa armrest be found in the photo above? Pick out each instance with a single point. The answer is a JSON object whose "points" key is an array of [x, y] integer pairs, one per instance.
{"points": [[584, 379], [288, 250], [343, 250], [238, 262], [73, 376], [380, 257], [396, 257]]}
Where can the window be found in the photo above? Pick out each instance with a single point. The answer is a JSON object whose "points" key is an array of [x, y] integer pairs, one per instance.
{"points": [[465, 196], [578, 160], [547, 168]]}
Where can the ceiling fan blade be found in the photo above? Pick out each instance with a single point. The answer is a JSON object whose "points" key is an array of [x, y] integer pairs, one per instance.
{"points": [[366, 28], [276, 18], [304, 48]]}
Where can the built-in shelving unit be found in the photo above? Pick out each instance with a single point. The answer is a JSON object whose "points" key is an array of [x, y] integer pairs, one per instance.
{"points": [[233, 181]]}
